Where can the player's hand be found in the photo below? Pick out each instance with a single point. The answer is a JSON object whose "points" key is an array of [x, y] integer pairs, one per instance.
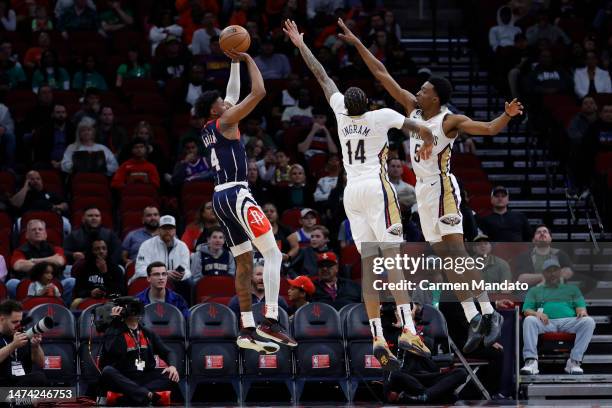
{"points": [[19, 340], [36, 340], [348, 36], [116, 311], [582, 313], [236, 56], [291, 29], [172, 373], [543, 317], [514, 108], [425, 151]]}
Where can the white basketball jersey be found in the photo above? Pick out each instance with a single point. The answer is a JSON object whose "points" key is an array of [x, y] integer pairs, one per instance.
{"points": [[364, 140], [439, 161]]}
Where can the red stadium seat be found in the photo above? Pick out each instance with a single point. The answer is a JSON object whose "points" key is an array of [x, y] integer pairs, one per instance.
{"points": [[137, 203], [130, 220], [22, 101], [52, 181], [149, 102], [139, 189], [51, 219], [89, 178], [466, 175], [31, 301], [481, 204], [7, 182], [90, 301], [5, 245], [603, 162], [138, 286], [197, 188], [350, 257], [465, 160], [316, 165], [209, 287], [558, 336], [82, 202], [5, 220], [77, 218], [224, 300], [131, 270], [3, 291], [92, 190], [66, 97], [291, 218], [478, 187], [131, 86]]}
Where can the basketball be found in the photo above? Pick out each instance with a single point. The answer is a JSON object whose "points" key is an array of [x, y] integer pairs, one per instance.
{"points": [[235, 37]]}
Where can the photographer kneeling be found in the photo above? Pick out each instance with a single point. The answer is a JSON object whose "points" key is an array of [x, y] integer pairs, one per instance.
{"points": [[128, 357], [18, 351]]}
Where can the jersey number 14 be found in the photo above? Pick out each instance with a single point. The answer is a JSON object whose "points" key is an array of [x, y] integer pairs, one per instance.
{"points": [[359, 152]]}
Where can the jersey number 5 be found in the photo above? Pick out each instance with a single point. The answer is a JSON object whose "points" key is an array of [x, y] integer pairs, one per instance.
{"points": [[416, 157], [359, 152], [213, 160]]}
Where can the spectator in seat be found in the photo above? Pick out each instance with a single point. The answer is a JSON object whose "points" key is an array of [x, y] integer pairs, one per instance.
{"points": [[281, 232], [253, 130], [88, 76], [161, 29], [108, 132], [257, 291], [530, 264], [192, 167], [272, 65], [380, 46], [41, 20], [41, 113], [129, 369], [395, 171], [212, 258], [591, 79], [299, 293], [196, 85], [79, 241], [259, 188], [90, 108], [297, 193], [331, 289], [34, 251], [12, 72], [201, 226], [96, 275], [34, 197], [200, 43], [77, 18], [502, 35], [32, 57], [137, 169], [50, 73], [42, 275], [327, 183], [319, 138], [173, 62], [301, 237], [599, 135], [282, 169], [216, 63], [301, 113], [17, 352], [544, 30], [132, 241], [117, 17], [580, 123], [85, 155], [158, 291], [267, 166], [555, 307], [144, 131], [496, 270], [8, 18], [134, 68], [51, 139], [305, 263], [504, 225], [8, 143], [548, 77], [167, 248]]}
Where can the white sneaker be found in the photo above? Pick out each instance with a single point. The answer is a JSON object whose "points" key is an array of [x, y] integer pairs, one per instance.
{"points": [[530, 368], [573, 367]]}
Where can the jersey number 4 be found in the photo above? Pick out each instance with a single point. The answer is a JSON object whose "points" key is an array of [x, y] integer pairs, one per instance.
{"points": [[359, 152], [213, 160]]}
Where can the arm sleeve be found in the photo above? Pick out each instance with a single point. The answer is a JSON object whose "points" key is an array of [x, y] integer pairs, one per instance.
{"points": [[391, 118], [232, 93], [336, 101]]}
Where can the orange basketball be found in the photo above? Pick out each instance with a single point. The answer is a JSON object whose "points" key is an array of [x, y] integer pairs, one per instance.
{"points": [[235, 37]]}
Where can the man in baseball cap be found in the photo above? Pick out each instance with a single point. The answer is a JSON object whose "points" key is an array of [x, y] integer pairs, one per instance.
{"points": [[331, 289], [300, 291], [503, 224], [308, 219]]}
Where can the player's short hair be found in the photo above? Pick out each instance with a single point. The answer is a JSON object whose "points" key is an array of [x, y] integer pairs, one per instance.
{"points": [[202, 106], [356, 101], [443, 88]]}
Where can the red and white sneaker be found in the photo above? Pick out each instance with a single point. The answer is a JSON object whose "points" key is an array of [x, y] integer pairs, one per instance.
{"points": [[248, 339], [272, 330]]}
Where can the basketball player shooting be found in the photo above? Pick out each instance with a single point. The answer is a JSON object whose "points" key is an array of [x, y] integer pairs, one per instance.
{"points": [[370, 200], [240, 215], [437, 192]]}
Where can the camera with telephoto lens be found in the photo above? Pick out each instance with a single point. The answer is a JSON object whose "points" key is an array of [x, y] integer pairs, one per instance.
{"points": [[44, 325], [103, 317]]}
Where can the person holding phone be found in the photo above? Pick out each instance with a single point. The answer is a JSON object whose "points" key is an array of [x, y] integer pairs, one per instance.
{"points": [[96, 275]]}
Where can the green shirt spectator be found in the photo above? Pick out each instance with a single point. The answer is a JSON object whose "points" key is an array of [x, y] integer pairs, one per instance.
{"points": [[557, 301], [14, 75], [88, 77], [116, 17], [56, 79], [134, 68]]}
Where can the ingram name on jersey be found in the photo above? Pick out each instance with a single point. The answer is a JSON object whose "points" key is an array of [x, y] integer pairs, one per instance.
{"points": [[227, 157]]}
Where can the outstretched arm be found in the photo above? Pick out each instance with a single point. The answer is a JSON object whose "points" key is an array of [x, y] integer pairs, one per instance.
{"points": [[405, 98], [233, 115], [297, 38], [467, 125]]}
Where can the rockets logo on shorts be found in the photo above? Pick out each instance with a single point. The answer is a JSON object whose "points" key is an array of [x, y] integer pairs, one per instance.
{"points": [[258, 222]]}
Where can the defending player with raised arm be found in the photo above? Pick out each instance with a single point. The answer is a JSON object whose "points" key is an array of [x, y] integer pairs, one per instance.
{"points": [[370, 200], [241, 217], [437, 191]]}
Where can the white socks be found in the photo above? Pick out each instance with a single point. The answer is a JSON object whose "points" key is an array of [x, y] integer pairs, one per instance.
{"points": [[273, 260], [376, 328], [485, 303], [247, 319], [405, 315], [469, 308]]}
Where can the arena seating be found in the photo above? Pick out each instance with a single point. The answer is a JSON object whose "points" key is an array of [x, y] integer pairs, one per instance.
{"points": [[168, 322]]}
